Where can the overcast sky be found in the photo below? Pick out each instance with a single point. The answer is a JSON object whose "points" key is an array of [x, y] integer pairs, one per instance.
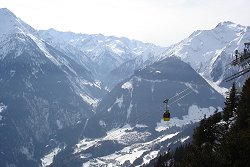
{"points": [[162, 22]]}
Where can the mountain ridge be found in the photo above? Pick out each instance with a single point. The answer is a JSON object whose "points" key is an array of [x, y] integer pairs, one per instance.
{"points": [[58, 102], [210, 51]]}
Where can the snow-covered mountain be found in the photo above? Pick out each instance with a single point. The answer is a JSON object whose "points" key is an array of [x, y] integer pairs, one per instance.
{"points": [[209, 52], [128, 127], [10, 24], [104, 54], [51, 82], [42, 92]]}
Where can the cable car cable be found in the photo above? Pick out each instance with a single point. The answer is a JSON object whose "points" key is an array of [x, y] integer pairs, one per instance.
{"points": [[180, 98]]}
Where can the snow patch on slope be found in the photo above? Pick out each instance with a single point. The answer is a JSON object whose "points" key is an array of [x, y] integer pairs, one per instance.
{"points": [[129, 110], [48, 159], [118, 101], [184, 138], [88, 99], [219, 89], [43, 48], [195, 114], [128, 85], [2, 108], [130, 153]]}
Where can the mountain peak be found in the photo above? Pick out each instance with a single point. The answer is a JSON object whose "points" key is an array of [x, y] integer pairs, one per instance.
{"points": [[225, 23], [230, 25], [10, 24], [6, 12]]}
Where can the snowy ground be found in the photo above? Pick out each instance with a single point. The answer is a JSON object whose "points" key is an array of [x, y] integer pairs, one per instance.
{"points": [[48, 158], [135, 142], [129, 153], [219, 89]]}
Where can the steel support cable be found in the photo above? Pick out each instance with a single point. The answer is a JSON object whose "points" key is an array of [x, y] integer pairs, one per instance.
{"points": [[178, 94], [236, 75], [180, 98]]}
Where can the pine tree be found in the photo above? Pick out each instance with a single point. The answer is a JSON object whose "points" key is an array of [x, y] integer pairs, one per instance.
{"points": [[231, 104], [243, 113], [207, 131]]}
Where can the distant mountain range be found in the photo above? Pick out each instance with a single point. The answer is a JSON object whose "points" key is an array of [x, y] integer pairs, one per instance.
{"points": [[80, 100], [110, 59], [209, 52]]}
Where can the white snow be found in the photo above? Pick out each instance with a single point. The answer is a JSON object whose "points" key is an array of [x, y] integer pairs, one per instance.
{"points": [[102, 123], [59, 124], [129, 110], [48, 159], [132, 156], [120, 50], [119, 101], [147, 158], [10, 24], [141, 126], [195, 114], [128, 85], [129, 153], [168, 136], [205, 48], [84, 82], [2, 108], [85, 125], [184, 138], [84, 144], [88, 99], [219, 89], [116, 49], [158, 72], [43, 48], [26, 152], [114, 134], [98, 84], [117, 133]]}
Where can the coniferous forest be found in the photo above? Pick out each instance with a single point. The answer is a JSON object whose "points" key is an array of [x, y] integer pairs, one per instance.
{"points": [[221, 140]]}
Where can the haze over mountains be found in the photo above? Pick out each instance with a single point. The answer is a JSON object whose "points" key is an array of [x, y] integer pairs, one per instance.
{"points": [[80, 100]]}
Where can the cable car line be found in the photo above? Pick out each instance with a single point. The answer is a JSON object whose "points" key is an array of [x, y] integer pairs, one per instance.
{"points": [[179, 93], [238, 74], [180, 98], [166, 114]]}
